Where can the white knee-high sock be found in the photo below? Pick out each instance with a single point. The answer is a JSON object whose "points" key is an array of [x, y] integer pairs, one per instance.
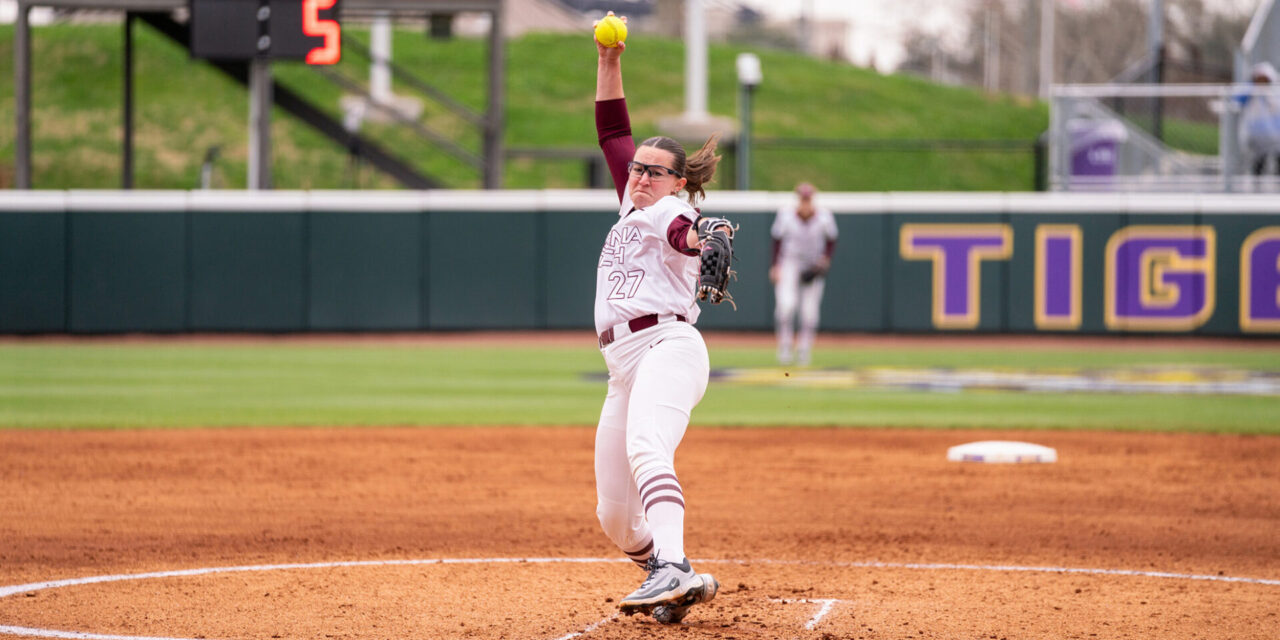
{"points": [[664, 509], [804, 344], [785, 338], [640, 554]]}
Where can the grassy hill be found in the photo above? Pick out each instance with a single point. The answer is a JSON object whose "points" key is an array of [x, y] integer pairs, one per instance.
{"points": [[183, 107]]}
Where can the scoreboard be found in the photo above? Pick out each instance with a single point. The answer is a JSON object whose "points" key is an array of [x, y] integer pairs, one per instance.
{"points": [[279, 29]]}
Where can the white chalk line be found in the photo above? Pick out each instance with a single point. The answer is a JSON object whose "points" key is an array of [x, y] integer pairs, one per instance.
{"points": [[827, 605], [826, 608], [74, 635], [1015, 568], [589, 629], [6, 591], [71, 582]]}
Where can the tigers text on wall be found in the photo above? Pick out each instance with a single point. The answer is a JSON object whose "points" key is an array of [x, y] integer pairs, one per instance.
{"points": [[1156, 277]]}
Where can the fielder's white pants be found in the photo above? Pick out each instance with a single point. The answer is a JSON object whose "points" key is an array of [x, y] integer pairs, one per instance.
{"points": [[791, 295], [656, 377]]}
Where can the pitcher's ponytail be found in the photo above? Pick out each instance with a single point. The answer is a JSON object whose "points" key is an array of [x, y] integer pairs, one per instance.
{"points": [[701, 168], [698, 169]]}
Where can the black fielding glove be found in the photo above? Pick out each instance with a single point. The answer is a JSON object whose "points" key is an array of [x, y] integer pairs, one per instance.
{"points": [[812, 273], [716, 268]]}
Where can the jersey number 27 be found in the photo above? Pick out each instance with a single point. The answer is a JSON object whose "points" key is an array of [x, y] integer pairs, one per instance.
{"points": [[625, 285]]}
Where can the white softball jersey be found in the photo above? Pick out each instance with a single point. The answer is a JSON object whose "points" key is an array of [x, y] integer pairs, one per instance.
{"points": [[639, 272], [801, 242]]}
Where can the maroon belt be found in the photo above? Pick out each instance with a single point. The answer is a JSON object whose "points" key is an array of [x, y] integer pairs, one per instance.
{"points": [[634, 324]]}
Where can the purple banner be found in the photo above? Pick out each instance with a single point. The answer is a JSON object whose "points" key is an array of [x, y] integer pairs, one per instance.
{"points": [[1058, 275], [1160, 277], [1260, 281], [957, 252]]}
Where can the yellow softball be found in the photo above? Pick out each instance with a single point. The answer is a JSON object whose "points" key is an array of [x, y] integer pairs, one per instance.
{"points": [[610, 31]]}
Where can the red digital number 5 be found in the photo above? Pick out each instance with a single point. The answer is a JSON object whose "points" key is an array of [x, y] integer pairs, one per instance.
{"points": [[312, 25]]}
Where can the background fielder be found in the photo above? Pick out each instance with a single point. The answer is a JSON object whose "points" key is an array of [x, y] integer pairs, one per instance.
{"points": [[804, 237]]}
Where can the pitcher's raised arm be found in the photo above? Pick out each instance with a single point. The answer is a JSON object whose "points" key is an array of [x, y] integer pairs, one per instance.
{"points": [[613, 124]]}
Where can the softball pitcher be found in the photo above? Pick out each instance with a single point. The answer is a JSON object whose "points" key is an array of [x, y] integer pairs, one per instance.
{"points": [[804, 237], [647, 284]]}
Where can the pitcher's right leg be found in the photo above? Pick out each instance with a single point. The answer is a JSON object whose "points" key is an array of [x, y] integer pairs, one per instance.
{"points": [[669, 382]]}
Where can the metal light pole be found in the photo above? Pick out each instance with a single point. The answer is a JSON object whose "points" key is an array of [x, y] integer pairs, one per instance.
{"points": [[1047, 9], [695, 61], [749, 78], [696, 123], [260, 100], [1155, 47], [991, 53], [22, 98], [379, 67], [261, 97], [805, 30]]}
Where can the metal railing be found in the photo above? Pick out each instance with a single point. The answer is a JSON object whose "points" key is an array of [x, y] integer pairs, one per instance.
{"points": [[1119, 137]]}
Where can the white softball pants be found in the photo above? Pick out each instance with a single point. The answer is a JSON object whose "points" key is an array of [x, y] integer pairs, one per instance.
{"points": [[656, 377], [791, 295]]}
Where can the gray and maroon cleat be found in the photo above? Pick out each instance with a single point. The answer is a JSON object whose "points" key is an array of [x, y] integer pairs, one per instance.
{"points": [[674, 612], [667, 582]]}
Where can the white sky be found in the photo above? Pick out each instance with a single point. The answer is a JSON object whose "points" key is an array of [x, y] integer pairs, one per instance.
{"points": [[876, 26]]}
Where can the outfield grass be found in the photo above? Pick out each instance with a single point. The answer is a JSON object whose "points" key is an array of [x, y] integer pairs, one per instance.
{"points": [[183, 385]]}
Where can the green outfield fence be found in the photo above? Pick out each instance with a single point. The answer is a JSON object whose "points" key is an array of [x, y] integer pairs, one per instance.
{"points": [[172, 262]]}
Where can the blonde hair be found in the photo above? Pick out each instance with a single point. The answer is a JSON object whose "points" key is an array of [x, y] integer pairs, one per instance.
{"points": [[697, 170]]}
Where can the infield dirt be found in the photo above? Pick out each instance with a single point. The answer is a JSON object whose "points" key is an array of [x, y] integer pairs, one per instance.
{"points": [[784, 518]]}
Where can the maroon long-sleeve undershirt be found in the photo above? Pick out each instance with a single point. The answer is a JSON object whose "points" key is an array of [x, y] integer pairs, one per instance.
{"points": [[613, 127]]}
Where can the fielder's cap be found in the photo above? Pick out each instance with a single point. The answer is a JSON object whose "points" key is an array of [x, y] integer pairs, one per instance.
{"points": [[1263, 70], [805, 190]]}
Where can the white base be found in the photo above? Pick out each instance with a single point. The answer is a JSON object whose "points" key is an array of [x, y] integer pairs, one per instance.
{"points": [[1001, 451]]}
